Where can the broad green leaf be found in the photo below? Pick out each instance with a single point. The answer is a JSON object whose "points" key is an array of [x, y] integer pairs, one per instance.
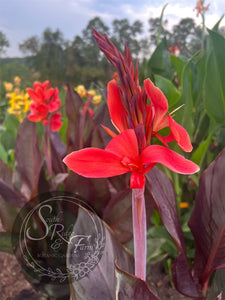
{"points": [[168, 88], [5, 242], [184, 116], [11, 123], [8, 140], [160, 62], [214, 87], [199, 154], [178, 65], [3, 153], [216, 26]]}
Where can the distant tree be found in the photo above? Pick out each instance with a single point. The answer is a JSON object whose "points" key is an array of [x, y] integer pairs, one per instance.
{"points": [[154, 24], [47, 54], [124, 31], [31, 46], [187, 35], [91, 53], [4, 43]]}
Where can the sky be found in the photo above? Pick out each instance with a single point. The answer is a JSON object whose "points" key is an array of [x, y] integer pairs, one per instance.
{"points": [[21, 19]]}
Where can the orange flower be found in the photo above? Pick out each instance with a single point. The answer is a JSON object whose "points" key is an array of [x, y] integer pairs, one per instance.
{"points": [[200, 7]]}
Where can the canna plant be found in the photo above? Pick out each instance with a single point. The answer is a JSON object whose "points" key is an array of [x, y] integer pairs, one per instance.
{"points": [[138, 114]]}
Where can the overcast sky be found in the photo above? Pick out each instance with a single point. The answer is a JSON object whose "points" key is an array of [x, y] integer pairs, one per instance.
{"points": [[21, 19]]}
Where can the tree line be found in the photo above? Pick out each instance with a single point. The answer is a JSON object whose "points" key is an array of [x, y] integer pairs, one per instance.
{"points": [[53, 57]]}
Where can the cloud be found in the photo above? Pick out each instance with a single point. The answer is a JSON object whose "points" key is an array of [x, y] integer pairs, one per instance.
{"points": [[20, 20]]}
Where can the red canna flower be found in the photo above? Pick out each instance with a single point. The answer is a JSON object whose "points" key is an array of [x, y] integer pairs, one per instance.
{"points": [[137, 120], [45, 102], [122, 155], [55, 121]]}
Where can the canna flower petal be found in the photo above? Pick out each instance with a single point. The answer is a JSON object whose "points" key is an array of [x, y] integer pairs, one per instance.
{"points": [[172, 160], [157, 99], [116, 109], [180, 135], [33, 95], [95, 163], [124, 145], [55, 121]]}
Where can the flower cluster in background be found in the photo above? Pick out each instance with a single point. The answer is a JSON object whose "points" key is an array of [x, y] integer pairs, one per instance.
{"points": [[85, 94], [19, 102], [200, 8], [45, 105]]}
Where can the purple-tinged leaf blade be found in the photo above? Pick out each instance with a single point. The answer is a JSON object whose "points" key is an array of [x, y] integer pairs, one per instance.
{"points": [[82, 130], [100, 283], [8, 211], [94, 190], [10, 195], [165, 201], [207, 221], [28, 157], [130, 287], [58, 152]]}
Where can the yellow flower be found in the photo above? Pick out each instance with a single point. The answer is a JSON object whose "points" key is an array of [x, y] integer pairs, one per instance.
{"points": [[17, 80], [92, 92], [19, 105], [8, 86], [17, 91], [8, 95], [96, 99], [80, 89]]}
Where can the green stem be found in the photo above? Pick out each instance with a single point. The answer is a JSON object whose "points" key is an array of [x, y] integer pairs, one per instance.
{"points": [[203, 30]]}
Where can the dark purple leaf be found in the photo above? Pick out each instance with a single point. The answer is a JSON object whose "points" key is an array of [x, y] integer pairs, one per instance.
{"points": [[58, 152], [74, 105], [100, 283], [82, 130], [165, 201], [59, 179], [118, 213], [103, 118], [28, 157], [10, 195], [95, 191], [130, 287], [207, 221], [8, 211]]}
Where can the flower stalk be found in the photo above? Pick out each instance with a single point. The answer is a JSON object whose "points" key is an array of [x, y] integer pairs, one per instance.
{"points": [[139, 232]]}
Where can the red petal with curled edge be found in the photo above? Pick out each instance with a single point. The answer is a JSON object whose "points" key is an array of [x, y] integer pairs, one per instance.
{"points": [[55, 121], [33, 95], [48, 93], [124, 145], [116, 109], [157, 99], [168, 158], [95, 163], [180, 135]]}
